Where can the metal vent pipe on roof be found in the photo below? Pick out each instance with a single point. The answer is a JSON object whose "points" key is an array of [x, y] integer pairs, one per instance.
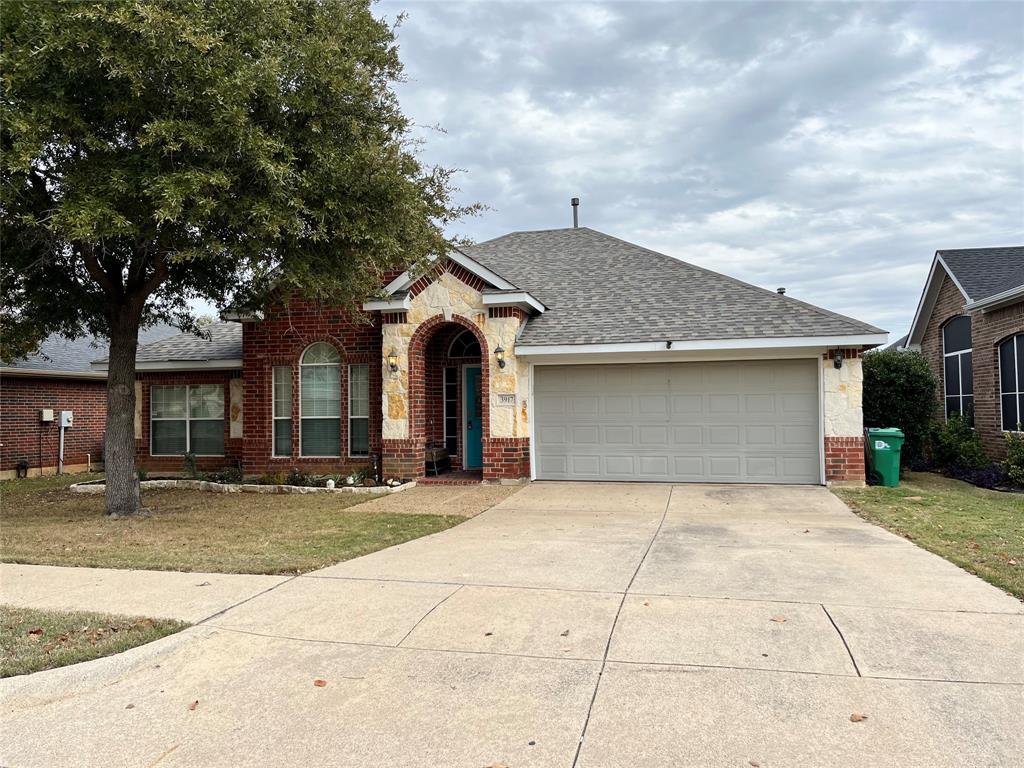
{"points": [[575, 202], [780, 291]]}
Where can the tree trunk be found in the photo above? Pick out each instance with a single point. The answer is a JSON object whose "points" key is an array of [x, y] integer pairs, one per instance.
{"points": [[119, 443]]}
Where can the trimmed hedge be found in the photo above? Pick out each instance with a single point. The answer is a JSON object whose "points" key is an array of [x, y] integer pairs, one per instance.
{"points": [[899, 391]]}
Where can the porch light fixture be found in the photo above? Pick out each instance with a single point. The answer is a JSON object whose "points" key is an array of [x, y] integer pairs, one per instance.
{"points": [[393, 361], [837, 359], [499, 355]]}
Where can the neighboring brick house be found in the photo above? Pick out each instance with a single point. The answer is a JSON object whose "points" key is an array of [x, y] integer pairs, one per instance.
{"points": [[58, 377], [969, 324], [560, 354]]}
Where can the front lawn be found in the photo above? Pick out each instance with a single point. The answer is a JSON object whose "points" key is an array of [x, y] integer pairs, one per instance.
{"points": [[43, 523], [32, 640], [982, 531]]}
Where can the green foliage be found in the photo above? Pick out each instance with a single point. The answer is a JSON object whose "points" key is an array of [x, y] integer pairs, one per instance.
{"points": [[954, 445], [228, 475], [189, 466], [300, 477], [157, 152], [143, 474], [899, 391], [1015, 457], [272, 478]]}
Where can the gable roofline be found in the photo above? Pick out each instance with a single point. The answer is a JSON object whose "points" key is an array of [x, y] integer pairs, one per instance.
{"points": [[926, 303], [405, 280]]}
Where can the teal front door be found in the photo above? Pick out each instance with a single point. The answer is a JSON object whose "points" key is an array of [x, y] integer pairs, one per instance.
{"points": [[473, 419]]}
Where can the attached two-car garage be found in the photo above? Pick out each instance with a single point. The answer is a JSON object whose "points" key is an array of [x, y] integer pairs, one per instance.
{"points": [[751, 421]]}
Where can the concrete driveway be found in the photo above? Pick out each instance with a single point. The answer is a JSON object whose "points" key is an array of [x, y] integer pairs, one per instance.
{"points": [[573, 624]]}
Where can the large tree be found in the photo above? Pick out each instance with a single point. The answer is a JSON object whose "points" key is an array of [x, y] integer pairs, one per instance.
{"points": [[155, 153]]}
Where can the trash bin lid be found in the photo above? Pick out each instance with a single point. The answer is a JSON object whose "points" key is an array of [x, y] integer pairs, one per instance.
{"points": [[885, 432]]}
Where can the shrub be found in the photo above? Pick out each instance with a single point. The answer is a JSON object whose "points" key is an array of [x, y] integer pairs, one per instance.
{"points": [[955, 447], [1015, 457], [189, 462], [298, 476], [899, 391], [989, 476], [143, 474], [273, 478], [229, 475]]}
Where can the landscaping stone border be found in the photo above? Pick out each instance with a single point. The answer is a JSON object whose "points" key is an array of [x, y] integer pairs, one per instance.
{"points": [[205, 485]]}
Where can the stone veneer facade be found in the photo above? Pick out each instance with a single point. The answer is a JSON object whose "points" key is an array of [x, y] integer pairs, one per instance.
{"points": [[842, 393]]}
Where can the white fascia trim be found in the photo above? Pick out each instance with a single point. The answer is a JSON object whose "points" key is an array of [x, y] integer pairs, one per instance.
{"points": [[521, 299], [241, 317], [927, 301], [185, 365], [405, 280], [42, 373], [542, 350], [388, 305], [993, 302]]}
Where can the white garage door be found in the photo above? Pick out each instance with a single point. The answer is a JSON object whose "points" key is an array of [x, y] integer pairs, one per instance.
{"points": [[736, 422]]}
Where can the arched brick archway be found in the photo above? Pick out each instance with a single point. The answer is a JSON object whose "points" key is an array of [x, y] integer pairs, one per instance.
{"points": [[422, 337]]}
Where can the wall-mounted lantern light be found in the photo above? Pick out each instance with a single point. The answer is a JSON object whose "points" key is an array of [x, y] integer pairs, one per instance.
{"points": [[837, 359], [499, 355], [393, 361]]}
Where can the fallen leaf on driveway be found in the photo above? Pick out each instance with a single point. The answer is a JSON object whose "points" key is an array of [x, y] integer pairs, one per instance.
{"points": [[496, 765], [777, 619], [647, 602], [857, 717], [204, 584], [319, 683], [193, 705], [488, 634], [565, 634], [753, 764]]}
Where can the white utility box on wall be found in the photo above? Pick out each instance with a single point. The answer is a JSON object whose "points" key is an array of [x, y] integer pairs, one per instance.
{"points": [[46, 414], [67, 419]]}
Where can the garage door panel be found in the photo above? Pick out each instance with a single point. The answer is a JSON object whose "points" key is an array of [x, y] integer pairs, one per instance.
{"points": [[750, 421]]}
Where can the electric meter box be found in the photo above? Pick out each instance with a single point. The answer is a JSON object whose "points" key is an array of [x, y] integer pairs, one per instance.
{"points": [[46, 414], [67, 418]]}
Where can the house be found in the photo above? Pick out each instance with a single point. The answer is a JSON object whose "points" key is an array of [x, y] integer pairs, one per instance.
{"points": [[58, 377], [562, 354], [969, 324]]}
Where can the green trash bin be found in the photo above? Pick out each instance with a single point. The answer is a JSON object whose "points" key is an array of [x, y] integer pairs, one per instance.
{"points": [[884, 446]]}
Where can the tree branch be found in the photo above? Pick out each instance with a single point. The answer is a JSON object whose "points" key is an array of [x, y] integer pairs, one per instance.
{"points": [[99, 274]]}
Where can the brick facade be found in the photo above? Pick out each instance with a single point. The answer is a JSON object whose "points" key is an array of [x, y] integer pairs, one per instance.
{"points": [[175, 464], [280, 339], [844, 459], [988, 330], [24, 438]]}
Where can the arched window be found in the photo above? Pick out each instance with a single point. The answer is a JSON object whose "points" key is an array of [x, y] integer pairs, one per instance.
{"points": [[1011, 382], [320, 401], [464, 345], [958, 374]]}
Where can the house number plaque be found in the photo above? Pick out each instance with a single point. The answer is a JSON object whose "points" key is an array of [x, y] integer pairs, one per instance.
{"points": [[509, 400]]}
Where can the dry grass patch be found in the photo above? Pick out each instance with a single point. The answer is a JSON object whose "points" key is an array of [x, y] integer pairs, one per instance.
{"points": [[32, 640], [45, 524], [982, 531]]}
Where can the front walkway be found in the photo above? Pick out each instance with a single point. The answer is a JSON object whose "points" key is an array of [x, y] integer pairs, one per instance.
{"points": [[590, 625]]}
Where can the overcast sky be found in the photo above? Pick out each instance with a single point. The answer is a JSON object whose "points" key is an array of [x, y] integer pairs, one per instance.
{"points": [[830, 148]]}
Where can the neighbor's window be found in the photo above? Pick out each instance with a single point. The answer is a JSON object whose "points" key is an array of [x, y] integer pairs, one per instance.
{"points": [[1011, 382], [320, 401], [186, 419], [359, 410], [282, 410], [958, 375]]}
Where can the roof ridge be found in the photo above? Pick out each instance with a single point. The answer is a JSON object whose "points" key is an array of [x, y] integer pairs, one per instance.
{"points": [[773, 294]]}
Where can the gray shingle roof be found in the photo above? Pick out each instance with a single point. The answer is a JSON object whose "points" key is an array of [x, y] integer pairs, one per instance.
{"points": [[985, 272], [599, 289], [225, 343], [59, 354]]}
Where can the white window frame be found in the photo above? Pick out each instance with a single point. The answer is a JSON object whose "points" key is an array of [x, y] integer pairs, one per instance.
{"points": [[274, 418], [302, 453], [456, 338], [1016, 378], [352, 418], [187, 419], [959, 371]]}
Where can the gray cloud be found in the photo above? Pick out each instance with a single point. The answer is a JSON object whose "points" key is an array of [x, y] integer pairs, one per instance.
{"points": [[830, 148]]}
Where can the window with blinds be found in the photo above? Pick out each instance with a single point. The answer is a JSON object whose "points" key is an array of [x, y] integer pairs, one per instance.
{"points": [[320, 401], [451, 411], [282, 410], [359, 410], [186, 419]]}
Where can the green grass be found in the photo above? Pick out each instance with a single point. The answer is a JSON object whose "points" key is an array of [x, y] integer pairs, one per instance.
{"points": [[981, 531], [32, 640], [43, 523]]}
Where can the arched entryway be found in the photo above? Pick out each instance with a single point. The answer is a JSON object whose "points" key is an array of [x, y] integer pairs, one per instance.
{"points": [[448, 392]]}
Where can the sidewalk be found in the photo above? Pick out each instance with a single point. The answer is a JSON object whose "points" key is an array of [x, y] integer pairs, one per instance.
{"points": [[189, 597]]}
